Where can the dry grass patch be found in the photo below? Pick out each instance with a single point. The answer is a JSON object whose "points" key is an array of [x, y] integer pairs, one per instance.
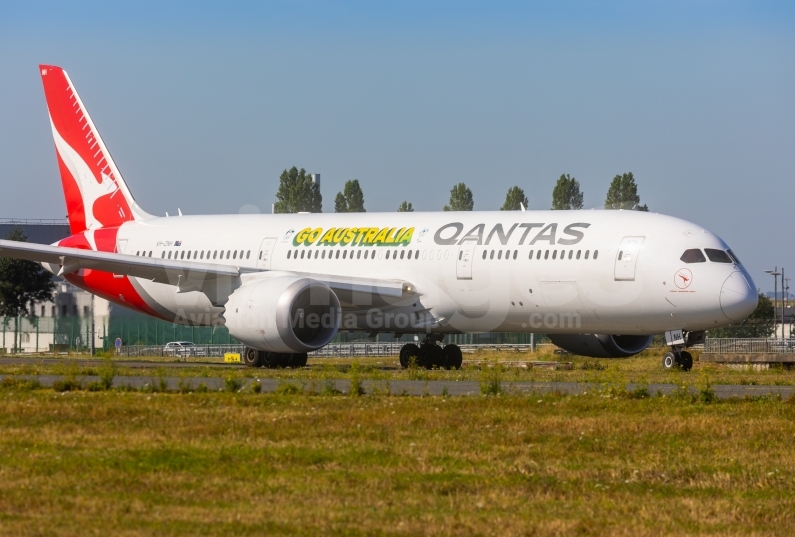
{"points": [[133, 463]]}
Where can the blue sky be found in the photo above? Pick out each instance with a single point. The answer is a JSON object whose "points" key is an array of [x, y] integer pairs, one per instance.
{"points": [[204, 103]]}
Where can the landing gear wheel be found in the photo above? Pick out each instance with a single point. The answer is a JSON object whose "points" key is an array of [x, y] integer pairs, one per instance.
{"points": [[298, 360], [407, 352], [271, 360], [669, 360], [685, 361], [252, 357], [452, 357], [425, 358]]}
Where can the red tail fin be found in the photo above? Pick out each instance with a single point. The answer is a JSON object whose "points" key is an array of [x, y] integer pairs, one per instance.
{"points": [[96, 195]]}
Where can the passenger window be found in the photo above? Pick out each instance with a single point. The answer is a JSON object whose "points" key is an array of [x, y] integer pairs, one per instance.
{"points": [[485, 253], [215, 254], [182, 255], [260, 255], [571, 252], [620, 255], [546, 254], [595, 254], [169, 254], [586, 253], [248, 254], [188, 254], [338, 255], [515, 253], [578, 253], [531, 255], [554, 254], [562, 254], [345, 254], [538, 255], [358, 254], [150, 253], [387, 254], [499, 254], [409, 255], [288, 253], [164, 254], [492, 255], [402, 253], [460, 255], [717, 256], [138, 253], [693, 255], [234, 256]]}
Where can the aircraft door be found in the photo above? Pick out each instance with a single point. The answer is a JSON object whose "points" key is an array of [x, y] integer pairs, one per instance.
{"points": [[627, 258], [266, 253], [466, 254]]}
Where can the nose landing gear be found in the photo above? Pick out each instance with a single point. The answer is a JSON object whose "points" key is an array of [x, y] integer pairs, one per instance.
{"points": [[679, 358], [429, 354], [679, 340]]}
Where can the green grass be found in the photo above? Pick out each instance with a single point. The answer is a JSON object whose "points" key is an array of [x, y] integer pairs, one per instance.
{"points": [[643, 368], [133, 463]]}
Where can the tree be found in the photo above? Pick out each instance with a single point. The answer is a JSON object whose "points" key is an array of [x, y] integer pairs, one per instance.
{"points": [[566, 195], [514, 199], [405, 207], [460, 199], [22, 282], [351, 199], [298, 193], [623, 194]]}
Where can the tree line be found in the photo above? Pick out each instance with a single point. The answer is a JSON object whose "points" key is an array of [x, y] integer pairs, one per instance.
{"points": [[299, 193]]}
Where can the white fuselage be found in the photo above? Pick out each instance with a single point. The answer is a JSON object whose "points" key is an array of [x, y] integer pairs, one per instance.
{"points": [[539, 271]]}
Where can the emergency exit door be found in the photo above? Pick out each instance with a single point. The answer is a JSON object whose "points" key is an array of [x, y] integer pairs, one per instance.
{"points": [[266, 253], [627, 258], [466, 254]]}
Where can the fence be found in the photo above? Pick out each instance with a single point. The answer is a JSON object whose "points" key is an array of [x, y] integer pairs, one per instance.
{"points": [[749, 346], [196, 351]]}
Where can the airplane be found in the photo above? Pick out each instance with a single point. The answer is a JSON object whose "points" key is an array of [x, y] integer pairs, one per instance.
{"points": [[597, 283]]}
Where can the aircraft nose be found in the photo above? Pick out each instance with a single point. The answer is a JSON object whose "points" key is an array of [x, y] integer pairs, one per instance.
{"points": [[737, 297]]}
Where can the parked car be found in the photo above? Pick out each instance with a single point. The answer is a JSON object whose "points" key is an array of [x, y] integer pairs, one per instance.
{"points": [[183, 348]]}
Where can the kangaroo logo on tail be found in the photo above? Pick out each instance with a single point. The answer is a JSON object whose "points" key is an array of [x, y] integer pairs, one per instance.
{"points": [[96, 194]]}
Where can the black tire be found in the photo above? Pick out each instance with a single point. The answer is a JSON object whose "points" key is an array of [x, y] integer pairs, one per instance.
{"points": [[271, 360], [453, 358], [408, 351], [685, 361], [670, 360], [252, 357], [298, 360], [426, 356]]}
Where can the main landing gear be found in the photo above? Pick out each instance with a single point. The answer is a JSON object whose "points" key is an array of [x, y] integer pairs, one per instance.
{"points": [[429, 354], [273, 360]]}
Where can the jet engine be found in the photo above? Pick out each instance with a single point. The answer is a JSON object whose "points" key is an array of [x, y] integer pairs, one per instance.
{"points": [[601, 345], [284, 314]]}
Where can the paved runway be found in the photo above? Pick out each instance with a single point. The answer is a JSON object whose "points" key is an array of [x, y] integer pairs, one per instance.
{"points": [[411, 387]]}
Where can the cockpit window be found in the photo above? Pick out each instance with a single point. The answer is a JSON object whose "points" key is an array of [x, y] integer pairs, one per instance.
{"points": [[693, 255], [734, 257], [717, 256]]}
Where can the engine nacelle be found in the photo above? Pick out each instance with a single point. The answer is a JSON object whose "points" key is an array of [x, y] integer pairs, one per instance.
{"points": [[283, 314], [601, 345]]}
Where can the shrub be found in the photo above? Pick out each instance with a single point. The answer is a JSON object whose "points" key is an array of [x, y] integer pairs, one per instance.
{"points": [[232, 384], [66, 385], [491, 380], [288, 388], [107, 372]]}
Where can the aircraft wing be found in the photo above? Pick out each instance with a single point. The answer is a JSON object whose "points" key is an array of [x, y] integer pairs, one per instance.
{"points": [[186, 275]]}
